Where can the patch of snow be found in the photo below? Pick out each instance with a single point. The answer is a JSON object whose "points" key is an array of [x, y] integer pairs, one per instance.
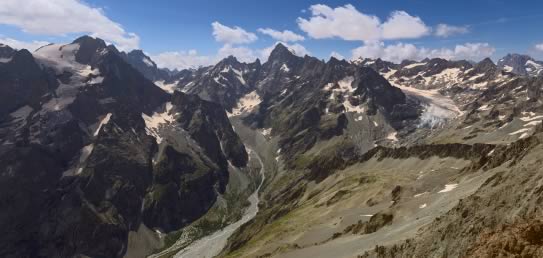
{"points": [[491, 152], [351, 108], [422, 206], [346, 84], [480, 85], [266, 131], [57, 104], [508, 68], [413, 65], [61, 58], [449, 75], [239, 75], [154, 123], [530, 118], [448, 188], [147, 61], [389, 73], [167, 87], [21, 113], [359, 118], [96, 80], [475, 77], [484, 108], [5, 60], [419, 195], [438, 108], [392, 136], [216, 79], [104, 121], [19, 116], [226, 69], [533, 123], [535, 65], [246, 104], [524, 135], [523, 130], [285, 68]]}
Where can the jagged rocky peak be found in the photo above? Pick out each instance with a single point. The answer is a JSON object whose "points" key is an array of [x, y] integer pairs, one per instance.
{"points": [[22, 82], [140, 56], [281, 52], [335, 61], [88, 49], [486, 65], [283, 58], [146, 66], [519, 64], [6, 52]]}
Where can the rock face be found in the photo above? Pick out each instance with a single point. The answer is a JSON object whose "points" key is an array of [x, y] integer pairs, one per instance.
{"points": [[521, 65], [224, 83], [90, 149], [143, 63]]}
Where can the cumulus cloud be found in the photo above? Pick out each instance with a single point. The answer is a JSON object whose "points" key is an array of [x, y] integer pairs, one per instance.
{"points": [[243, 54], [62, 17], [400, 51], [539, 47], [17, 44], [233, 38], [191, 59], [182, 59], [445, 30], [229, 35], [401, 25], [285, 36], [346, 22], [343, 22]]}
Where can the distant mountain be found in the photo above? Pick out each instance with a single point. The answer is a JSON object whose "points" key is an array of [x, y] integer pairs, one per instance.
{"points": [[146, 66], [521, 65]]}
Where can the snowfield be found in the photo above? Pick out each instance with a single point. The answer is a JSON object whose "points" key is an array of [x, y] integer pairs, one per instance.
{"points": [[154, 123], [438, 109], [246, 104]]}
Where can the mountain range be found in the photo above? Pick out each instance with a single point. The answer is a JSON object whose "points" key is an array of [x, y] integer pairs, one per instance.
{"points": [[104, 154]]}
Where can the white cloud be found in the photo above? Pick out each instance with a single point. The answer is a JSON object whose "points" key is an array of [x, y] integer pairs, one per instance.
{"points": [[473, 51], [539, 47], [337, 55], [191, 59], [445, 30], [285, 36], [230, 35], [343, 22], [400, 51], [62, 17], [182, 59], [401, 25], [17, 44], [346, 22], [243, 54]]}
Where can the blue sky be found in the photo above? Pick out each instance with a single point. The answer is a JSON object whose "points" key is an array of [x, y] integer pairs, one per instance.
{"points": [[168, 30]]}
